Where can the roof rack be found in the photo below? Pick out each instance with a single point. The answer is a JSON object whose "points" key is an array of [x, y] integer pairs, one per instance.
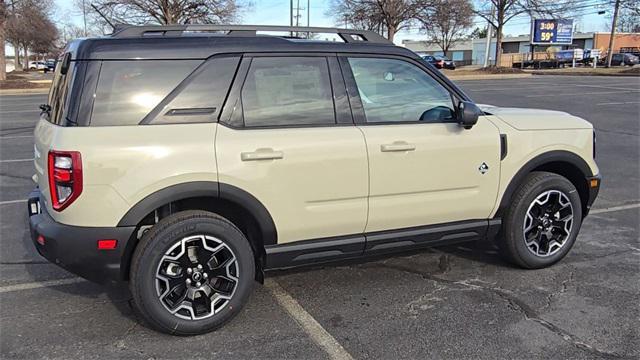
{"points": [[348, 35]]}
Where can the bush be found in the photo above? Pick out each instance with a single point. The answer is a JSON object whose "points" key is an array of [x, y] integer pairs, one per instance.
{"points": [[500, 70]]}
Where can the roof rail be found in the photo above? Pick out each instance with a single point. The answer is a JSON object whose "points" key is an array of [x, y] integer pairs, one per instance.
{"points": [[348, 35]]}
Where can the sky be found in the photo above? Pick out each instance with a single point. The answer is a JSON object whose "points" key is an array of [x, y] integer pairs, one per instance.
{"points": [[276, 12]]}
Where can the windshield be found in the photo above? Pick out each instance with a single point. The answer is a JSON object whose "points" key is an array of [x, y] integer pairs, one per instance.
{"points": [[58, 95]]}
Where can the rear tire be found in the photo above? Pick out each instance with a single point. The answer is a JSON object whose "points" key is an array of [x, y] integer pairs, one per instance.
{"points": [[542, 221], [191, 273]]}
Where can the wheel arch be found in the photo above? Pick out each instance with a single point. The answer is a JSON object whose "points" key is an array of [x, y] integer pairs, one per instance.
{"points": [[238, 206], [561, 162]]}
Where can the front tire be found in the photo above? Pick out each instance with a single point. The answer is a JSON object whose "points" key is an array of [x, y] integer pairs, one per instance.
{"points": [[542, 221], [191, 273]]}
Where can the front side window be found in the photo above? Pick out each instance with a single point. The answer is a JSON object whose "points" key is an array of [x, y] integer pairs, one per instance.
{"points": [[394, 90], [128, 90], [287, 91]]}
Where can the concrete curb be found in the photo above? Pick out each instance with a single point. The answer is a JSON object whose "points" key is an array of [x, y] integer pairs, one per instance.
{"points": [[567, 73], [488, 76], [24, 91]]}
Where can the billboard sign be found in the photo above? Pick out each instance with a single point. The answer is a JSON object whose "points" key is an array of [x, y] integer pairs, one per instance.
{"points": [[552, 32]]}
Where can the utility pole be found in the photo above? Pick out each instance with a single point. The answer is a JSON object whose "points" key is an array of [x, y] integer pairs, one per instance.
{"points": [[489, 36], [84, 18], [613, 33], [308, 12], [291, 16]]}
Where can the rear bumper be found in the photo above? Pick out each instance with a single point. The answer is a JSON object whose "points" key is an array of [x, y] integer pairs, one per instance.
{"points": [[75, 248]]}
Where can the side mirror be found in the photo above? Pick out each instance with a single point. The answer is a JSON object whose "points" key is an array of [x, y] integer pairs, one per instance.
{"points": [[468, 114], [66, 63]]}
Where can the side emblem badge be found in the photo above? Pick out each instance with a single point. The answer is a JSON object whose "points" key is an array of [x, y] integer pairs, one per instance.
{"points": [[484, 168]]}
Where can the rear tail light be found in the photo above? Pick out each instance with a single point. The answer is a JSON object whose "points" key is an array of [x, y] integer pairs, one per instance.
{"points": [[65, 178]]}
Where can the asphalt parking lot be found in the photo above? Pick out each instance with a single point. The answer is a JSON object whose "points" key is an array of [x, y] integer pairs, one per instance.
{"points": [[450, 302]]}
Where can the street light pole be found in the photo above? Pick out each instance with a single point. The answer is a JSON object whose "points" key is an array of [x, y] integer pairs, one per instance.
{"points": [[489, 35], [613, 33], [84, 17]]}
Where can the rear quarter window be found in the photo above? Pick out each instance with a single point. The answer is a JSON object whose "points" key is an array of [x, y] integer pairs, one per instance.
{"points": [[59, 94], [128, 90], [200, 97]]}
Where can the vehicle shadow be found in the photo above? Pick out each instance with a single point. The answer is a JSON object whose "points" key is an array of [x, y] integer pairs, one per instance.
{"points": [[118, 294]]}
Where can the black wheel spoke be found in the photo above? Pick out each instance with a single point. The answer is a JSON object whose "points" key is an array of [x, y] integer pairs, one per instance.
{"points": [[223, 285]]}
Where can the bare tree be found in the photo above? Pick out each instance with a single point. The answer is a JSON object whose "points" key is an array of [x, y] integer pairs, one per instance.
{"points": [[628, 16], [166, 12], [388, 16], [28, 27], [357, 14], [69, 31], [446, 22], [499, 12]]}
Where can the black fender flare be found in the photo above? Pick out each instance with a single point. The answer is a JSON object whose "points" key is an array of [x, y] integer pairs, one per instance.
{"points": [[204, 189], [542, 159]]}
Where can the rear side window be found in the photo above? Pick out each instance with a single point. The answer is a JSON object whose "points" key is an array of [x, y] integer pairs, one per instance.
{"points": [[287, 91], [128, 90]]}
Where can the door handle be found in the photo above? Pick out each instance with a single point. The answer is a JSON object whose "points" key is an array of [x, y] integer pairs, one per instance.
{"points": [[397, 146], [261, 154]]}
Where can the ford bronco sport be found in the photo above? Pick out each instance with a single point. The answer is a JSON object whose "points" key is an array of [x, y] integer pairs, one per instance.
{"points": [[189, 159]]}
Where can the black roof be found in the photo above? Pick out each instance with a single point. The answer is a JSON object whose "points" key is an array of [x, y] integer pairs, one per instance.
{"points": [[201, 42]]}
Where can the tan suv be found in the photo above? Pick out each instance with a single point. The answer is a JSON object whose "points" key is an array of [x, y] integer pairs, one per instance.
{"points": [[189, 159]]}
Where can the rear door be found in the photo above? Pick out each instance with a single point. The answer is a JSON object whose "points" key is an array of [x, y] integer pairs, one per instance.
{"points": [[286, 136], [424, 168]]}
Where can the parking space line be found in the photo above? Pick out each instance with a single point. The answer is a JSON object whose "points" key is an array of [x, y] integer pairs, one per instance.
{"points": [[310, 325], [13, 202], [40, 284], [15, 160], [606, 87], [19, 111], [619, 103], [15, 137], [615, 208]]}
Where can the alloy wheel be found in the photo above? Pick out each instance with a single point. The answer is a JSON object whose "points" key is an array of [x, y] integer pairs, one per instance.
{"points": [[197, 277], [548, 223]]}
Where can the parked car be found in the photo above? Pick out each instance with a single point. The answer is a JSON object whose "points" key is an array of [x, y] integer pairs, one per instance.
{"points": [[188, 167], [440, 62], [624, 59], [50, 65], [37, 65]]}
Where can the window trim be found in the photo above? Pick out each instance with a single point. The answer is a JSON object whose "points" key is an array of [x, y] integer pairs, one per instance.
{"points": [[342, 111], [357, 107]]}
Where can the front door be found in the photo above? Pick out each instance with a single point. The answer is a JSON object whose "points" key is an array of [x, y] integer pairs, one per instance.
{"points": [[424, 168]]}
